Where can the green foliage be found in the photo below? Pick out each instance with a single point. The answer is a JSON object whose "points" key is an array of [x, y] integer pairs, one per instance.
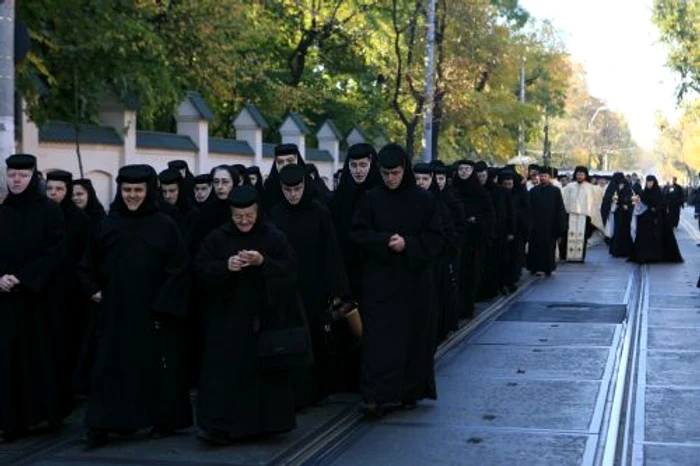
{"points": [[679, 24], [359, 62]]}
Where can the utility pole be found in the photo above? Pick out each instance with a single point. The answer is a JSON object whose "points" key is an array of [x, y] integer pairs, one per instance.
{"points": [[7, 83], [521, 136], [429, 86]]}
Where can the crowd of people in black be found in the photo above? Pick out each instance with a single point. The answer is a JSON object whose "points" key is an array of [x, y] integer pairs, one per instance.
{"points": [[241, 289]]}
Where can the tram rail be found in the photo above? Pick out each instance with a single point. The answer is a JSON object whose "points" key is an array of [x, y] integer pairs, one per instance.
{"points": [[341, 432]]}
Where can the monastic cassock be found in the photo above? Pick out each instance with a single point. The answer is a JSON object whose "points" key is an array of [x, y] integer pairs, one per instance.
{"points": [[236, 397], [72, 320], [445, 319], [321, 276], [344, 205], [652, 230], [675, 198], [480, 220], [188, 177], [184, 213], [273, 192], [504, 226], [258, 185], [214, 213], [515, 259], [324, 193], [32, 248], [616, 211], [138, 262], [397, 362], [94, 208], [582, 201], [548, 223]]}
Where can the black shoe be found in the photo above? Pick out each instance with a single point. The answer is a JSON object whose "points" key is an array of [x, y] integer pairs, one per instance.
{"points": [[13, 435], [373, 410], [211, 438], [93, 438], [158, 432], [409, 405]]}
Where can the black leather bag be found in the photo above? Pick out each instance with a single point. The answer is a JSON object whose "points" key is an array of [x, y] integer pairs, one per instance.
{"points": [[284, 348]]}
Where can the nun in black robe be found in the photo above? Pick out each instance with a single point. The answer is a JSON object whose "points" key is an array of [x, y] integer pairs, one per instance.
{"points": [[204, 194], [503, 229], [188, 177], [618, 200], [547, 226], [237, 398], [256, 179], [70, 323], [354, 184], [218, 211], [515, 259], [344, 204], [453, 293], [480, 224], [94, 208], [137, 269], [184, 213], [398, 229], [32, 249], [321, 275], [324, 193], [273, 191], [654, 240], [445, 318]]}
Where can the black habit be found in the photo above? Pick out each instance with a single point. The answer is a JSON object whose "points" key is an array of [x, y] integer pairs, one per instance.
{"points": [[548, 224], [138, 261], [397, 347], [32, 248], [237, 398]]}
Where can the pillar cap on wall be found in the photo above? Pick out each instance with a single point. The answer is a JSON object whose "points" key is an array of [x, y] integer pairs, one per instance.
{"points": [[294, 124], [329, 131], [194, 107], [250, 118]]}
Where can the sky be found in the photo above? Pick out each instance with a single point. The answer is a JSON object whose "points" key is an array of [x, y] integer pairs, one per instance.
{"points": [[619, 48]]}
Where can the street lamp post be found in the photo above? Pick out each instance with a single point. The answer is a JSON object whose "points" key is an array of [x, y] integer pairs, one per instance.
{"points": [[588, 130], [7, 82]]}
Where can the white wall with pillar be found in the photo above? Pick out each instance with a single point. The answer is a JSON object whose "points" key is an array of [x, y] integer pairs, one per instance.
{"points": [[249, 125], [329, 137], [114, 113], [193, 116], [294, 131]]}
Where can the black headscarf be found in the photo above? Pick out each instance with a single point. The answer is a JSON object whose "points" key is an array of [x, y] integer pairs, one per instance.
{"points": [[273, 190], [315, 176], [136, 174], [652, 197], [172, 176], [349, 192], [393, 155], [67, 179], [254, 170], [94, 207]]}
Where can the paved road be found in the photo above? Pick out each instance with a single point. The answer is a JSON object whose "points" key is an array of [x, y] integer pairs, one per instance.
{"points": [[531, 388], [667, 407]]}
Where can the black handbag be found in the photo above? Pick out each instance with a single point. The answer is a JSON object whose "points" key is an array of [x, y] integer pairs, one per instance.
{"points": [[284, 348], [289, 345]]}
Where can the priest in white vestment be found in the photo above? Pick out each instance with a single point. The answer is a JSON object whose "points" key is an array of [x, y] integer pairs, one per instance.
{"points": [[582, 201]]}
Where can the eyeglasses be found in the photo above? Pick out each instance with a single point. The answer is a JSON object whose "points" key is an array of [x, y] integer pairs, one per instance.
{"points": [[245, 217]]}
